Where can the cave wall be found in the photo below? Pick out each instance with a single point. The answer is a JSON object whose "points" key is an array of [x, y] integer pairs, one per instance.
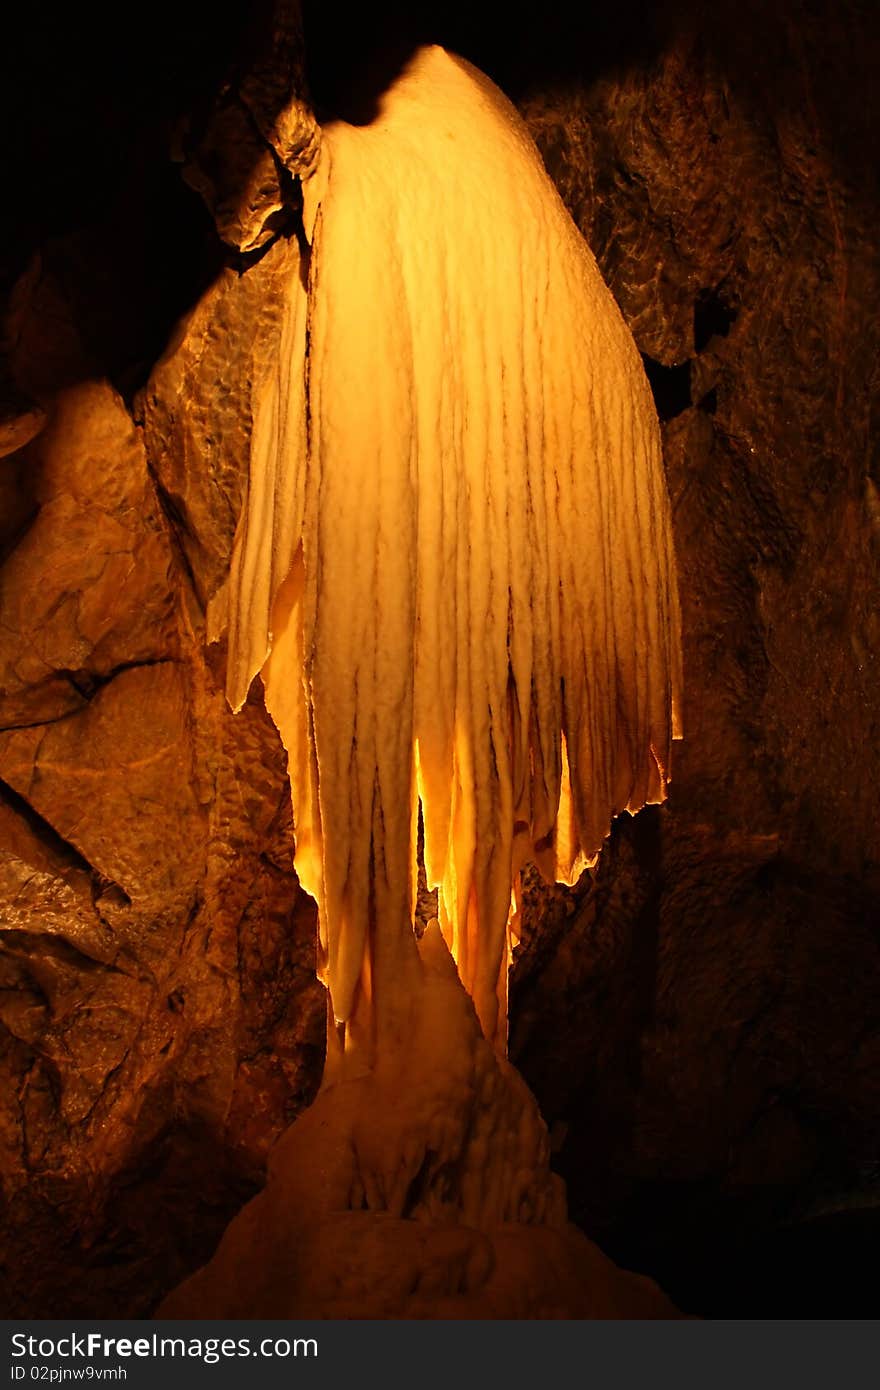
{"points": [[160, 1019], [700, 1024], [705, 1027]]}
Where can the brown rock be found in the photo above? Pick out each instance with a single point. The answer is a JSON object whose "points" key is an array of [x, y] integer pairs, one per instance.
{"points": [[197, 409], [260, 136], [163, 1021], [115, 780], [275, 92], [19, 426], [719, 984], [153, 935], [238, 176], [87, 589]]}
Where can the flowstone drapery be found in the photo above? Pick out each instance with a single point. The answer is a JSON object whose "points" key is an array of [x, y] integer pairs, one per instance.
{"points": [[454, 570]]}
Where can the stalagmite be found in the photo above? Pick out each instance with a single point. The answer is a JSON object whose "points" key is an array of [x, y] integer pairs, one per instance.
{"points": [[454, 570], [455, 567]]}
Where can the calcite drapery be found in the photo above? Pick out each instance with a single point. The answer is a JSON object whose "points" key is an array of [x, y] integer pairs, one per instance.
{"points": [[455, 564], [455, 572]]}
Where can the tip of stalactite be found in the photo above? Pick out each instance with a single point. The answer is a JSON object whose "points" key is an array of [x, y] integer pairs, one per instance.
{"points": [[457, 539]]}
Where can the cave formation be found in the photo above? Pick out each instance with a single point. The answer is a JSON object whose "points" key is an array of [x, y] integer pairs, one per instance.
{"points": [[454, 568], [162, 1021]]}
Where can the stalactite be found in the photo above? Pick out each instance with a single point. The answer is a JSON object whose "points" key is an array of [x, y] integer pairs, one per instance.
{"points": [[458, 466]]}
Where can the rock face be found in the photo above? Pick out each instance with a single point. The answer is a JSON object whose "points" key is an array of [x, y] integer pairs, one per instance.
{"points": [[701, 1026], [716, 1056], [197, 410], [161, 1019]]}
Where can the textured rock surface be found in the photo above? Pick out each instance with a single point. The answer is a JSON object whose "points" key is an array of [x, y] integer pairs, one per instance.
{"points": [[417, 1190], [87, 589], [702, 1028], [258, 134], [160, 1018], [197, 409], [716, 1054]]}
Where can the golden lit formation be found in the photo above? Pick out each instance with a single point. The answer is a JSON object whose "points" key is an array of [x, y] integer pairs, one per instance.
{"points": [[454, 570], [455, 564]]}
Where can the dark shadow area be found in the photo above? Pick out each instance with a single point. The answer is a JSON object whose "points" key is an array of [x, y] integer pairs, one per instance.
{"points": [[354, 52], [754, 1257], [86, 167], [690, 1193], [670, 387], [713, 317], [90, 100]]}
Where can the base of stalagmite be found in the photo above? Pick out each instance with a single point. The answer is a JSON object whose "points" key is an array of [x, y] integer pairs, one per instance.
{"points": [[372, 1265], [421, 1189]]}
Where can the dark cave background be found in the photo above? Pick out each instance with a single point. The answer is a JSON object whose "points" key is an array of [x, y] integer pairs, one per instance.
{"points": [[701, 1024]]}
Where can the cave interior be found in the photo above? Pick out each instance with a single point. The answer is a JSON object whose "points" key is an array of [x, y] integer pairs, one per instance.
{"points": [[699, 1017]]}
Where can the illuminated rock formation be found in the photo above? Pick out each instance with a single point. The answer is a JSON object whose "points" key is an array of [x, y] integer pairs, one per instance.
{"points": [[455, 571], [462, 491], [419, 1190]]}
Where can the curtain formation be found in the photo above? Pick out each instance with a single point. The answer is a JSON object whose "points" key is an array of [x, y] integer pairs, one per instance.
{"points": [[454, 567]]}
